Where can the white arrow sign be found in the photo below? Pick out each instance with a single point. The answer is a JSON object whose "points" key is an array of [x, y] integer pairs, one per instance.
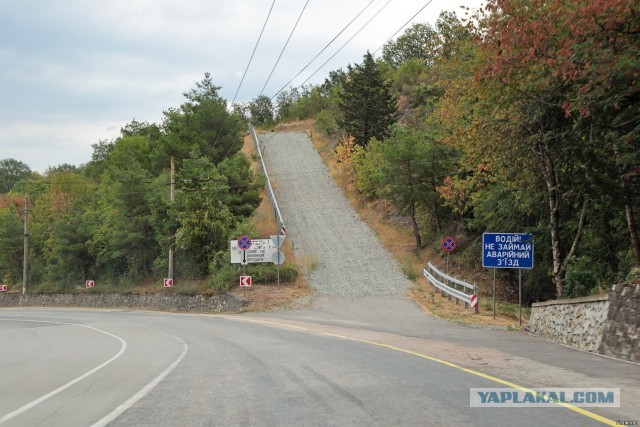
{"points": [[245, 281]]}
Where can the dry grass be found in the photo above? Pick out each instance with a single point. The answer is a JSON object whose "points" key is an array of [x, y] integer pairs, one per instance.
{"points": [[400, 242], [396, 238], [272, 296]]}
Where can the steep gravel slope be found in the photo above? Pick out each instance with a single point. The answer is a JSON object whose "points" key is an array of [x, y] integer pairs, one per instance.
{"points": [[323, 227]]}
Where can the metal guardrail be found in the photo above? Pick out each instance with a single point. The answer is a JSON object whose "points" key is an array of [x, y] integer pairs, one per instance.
{"points": [[272, 196], [441, 281]]}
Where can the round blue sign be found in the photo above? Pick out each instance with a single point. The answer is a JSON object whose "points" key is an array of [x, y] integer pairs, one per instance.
{"points": [[244, 243], [448, 244]]}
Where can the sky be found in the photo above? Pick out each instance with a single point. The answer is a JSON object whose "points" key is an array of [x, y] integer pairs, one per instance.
{"points": [[73, 72]]}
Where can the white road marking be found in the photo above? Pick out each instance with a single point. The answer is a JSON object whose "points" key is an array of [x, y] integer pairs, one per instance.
{"points": [[145, 390], [70, 383]]}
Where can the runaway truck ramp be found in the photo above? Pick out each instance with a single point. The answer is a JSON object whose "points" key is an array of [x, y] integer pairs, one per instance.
{"points": [[343, 255]]}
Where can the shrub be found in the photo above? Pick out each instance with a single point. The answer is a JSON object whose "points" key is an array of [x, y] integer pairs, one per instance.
{"points": [[326, 123]]}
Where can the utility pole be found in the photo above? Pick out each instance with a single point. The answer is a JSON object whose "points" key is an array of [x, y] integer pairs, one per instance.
{"points": [[172, 197], [25, 264]]}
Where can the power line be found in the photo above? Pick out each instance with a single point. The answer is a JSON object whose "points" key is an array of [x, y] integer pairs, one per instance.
{"points": [[254, 51], [324, 48], [405, 24], [347, 42], [245, 72], [285, 46]]}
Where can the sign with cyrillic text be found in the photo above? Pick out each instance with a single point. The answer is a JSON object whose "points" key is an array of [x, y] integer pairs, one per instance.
{"points": [[507, 250]]}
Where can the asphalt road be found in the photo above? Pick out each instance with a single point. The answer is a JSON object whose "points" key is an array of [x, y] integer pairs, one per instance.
{"points": [[305, 367]]}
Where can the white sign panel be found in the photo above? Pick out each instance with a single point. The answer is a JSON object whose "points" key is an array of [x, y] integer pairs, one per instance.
{"points": [[278, 240], [261, 251]]}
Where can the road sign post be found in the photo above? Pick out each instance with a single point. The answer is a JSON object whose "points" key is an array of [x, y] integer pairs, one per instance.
{"points": [[167, 283], [508, 250], [449, 245], [90, 283], [278, 257]]}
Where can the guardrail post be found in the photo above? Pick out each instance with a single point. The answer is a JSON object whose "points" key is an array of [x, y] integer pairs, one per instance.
{"points": [[475, 292], [455, 286]]}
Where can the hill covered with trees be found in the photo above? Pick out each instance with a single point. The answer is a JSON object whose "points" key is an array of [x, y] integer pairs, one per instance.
{"points": [[112, 219], [522, 118]]}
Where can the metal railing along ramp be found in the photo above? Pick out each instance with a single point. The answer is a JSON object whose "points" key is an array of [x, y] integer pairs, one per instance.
{"points": [[269, 189], [461, 290]]}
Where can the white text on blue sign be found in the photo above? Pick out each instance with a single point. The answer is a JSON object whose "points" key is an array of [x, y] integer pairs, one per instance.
{"points": [[501, 250]]}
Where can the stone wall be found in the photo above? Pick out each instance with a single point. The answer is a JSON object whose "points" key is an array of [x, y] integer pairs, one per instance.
{"points": [[577, 322], [622, 328], [605, 324], [192, 303]]}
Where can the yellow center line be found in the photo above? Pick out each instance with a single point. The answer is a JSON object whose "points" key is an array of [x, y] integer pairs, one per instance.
{"points": [[569, 406]]}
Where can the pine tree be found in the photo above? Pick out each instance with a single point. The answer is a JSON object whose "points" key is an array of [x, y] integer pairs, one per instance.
{"points": [[368, 108]]}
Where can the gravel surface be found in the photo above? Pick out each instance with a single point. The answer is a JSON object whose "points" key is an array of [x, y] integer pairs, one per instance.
{"points": [[343, 257]]}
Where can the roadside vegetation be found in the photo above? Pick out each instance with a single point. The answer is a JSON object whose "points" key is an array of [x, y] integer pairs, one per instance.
{"points": [[519, 119], [112, 220], [522, 118]]}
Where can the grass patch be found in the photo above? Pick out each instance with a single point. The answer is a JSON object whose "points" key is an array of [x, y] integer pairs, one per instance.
{"points": [[409, 267], [309, 263]]}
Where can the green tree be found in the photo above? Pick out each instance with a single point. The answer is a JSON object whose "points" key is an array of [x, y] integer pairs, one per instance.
{"points": [[261, 110], [202, 122], [595, 54], [204, 220], [61, 226], [413, 168], [367, 106], [11, 238], [124, 244], [243, 194], [581, 135], [417, 42], [285, 101], [12, 171]]}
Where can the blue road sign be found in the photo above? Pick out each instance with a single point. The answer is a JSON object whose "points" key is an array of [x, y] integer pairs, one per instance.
{"points": [[244, 243], [507, 250], [448, 244]]}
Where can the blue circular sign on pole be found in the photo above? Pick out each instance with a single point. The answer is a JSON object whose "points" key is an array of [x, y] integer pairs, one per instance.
{"points": [[448, 244], [244, 243]]}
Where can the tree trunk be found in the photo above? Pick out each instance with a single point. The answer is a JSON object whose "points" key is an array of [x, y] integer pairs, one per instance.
{"points": [[553, 195], [416, 229], [560, 263], [633, 232], [434, 183], [631, 224]]}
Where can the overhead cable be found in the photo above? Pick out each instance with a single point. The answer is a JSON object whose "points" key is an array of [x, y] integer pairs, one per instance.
{"points": [[323, 49], [347, 42], [254, 52], [285, 46], [405, 24]]}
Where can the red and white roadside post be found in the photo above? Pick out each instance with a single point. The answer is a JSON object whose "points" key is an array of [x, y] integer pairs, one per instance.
{"points": [[474, 299]]}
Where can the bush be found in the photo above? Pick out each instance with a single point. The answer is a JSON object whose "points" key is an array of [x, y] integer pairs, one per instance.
{"points": [[222, 279], [583, 276], [326, 123], [265, 274]]}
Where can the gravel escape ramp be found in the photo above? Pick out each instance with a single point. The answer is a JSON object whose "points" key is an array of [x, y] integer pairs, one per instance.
{"points": [[343, 256]]}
